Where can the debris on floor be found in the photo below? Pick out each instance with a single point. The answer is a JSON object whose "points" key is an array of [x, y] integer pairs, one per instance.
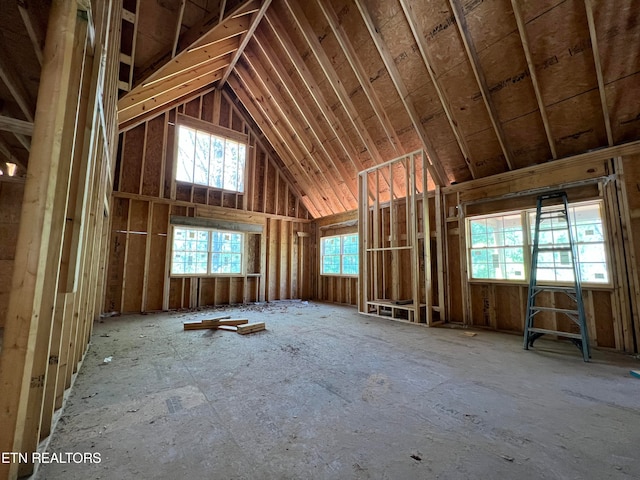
{"points": [[240, 325], [251, 328], [635, 373], [469, 334]]}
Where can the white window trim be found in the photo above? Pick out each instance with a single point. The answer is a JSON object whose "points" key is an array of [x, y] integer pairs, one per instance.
{"points": [[350, 275], [211, 129], [528, 246], [209, 274]]}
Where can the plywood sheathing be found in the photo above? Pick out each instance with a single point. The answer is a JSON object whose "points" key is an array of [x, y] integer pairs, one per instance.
{"points": [[561, 50]]}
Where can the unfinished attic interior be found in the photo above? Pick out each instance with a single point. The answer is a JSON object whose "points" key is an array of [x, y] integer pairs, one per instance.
{"points": [[345, 172]]}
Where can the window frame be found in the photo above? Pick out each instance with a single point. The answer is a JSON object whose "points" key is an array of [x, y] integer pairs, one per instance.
{"points": [[342, 255], [212, 131], [527, 246], [210, 252]]}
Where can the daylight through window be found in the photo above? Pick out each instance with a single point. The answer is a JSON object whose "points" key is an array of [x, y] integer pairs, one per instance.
{"points": [[339, 255], [206, 252], [500, 246], [211, 160]]}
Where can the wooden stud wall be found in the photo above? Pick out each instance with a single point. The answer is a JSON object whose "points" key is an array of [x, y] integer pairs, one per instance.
{"points": [[146, 197], [11, 192], [612, 313], [60, 250]]}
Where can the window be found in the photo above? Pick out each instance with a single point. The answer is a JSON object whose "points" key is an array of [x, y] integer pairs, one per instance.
{"points": [[497, 246], [211, 160], [339, 255], [197, 251]]}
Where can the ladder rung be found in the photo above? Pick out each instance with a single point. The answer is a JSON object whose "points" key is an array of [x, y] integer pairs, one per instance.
{"points": [[555, 332], [538, 288], [553, 309]]}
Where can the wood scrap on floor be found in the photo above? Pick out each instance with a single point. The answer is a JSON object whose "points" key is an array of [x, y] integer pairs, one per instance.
{"points": [[251, 328], [240, 325]]}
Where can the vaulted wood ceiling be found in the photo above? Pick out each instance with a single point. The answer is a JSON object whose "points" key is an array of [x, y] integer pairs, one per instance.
{"points": [[337, 86]]}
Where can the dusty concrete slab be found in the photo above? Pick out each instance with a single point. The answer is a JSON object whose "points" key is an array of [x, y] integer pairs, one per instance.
{"points": [[325, 393]]}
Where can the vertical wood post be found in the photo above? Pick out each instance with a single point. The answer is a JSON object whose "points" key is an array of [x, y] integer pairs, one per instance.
{"points": [[24, 322]]}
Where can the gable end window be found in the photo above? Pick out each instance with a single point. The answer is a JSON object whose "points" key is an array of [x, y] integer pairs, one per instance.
{"points": [[210, 160]]}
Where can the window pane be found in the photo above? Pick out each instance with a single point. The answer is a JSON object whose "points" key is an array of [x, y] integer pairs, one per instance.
{"points": [[350, 244], [217, 159], [201, 172], [350, 264], [186, 149], [230, 165], [330, 245], [331, 264]]}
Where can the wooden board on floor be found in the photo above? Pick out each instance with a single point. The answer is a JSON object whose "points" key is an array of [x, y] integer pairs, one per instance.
{"points": [[251, 328]]}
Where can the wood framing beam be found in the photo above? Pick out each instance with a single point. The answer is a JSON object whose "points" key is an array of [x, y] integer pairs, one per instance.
{"points": [[13, 125], [203, 53], [157, 94], [255, 21], [223, 5], [435, 166], [524, 38], [314, 91], [329, 181], [474, 61], [315, 204], [36, 35], [24, 323], [334, 80], [428, 63], [598, 64], [300, 155], [200, 34], [330, 155], [11, 79], [358, 69], [183, 3]]}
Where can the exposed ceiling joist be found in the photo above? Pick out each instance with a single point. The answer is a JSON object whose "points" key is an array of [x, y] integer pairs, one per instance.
{"points": [[255, 21], [472, 55], [358, 69], [524, 38], [10, 78], [34, 30], [13, 125], [337, 86], [176, 38], [596, 60], [314, 90], [316, 205], [290, 137], [134, 104], [308, 117], [428, 63], [436, 170], [223, 5], [210, 28]]}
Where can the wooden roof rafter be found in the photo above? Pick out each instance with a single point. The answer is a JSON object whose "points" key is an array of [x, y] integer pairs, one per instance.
{"points": [[14, 125], [292, 140], [314, 90], [428, 63], [315, 204], [435, 167], [255, 21], [309, 119], [11, 79], [34, 30], [598, 65], [337, 86], [190, 66], [474, 61], [524, 38], [358, 69]]}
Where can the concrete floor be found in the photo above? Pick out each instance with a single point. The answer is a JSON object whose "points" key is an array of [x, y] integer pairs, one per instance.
{"points": [[326, 393]]}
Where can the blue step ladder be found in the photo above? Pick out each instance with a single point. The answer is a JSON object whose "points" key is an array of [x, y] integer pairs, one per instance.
{"points": [[555, 217]]}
